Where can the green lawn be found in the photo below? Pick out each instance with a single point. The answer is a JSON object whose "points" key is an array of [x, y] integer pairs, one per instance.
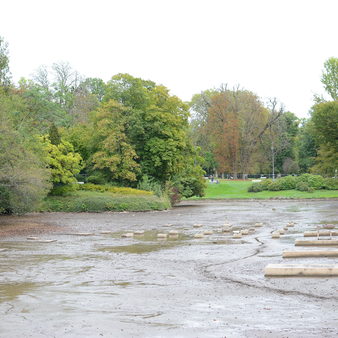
{"points": [[239, 189]]}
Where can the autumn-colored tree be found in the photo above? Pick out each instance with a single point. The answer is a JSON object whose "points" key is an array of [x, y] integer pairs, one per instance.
{"points": [[199, 133], [223, 125], [236, 120]]}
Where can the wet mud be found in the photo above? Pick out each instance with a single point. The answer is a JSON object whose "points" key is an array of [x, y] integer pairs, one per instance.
{"points": [[161, 280]]}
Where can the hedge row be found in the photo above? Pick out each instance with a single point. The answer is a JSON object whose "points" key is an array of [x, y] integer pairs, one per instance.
{"points": [[305, 182], [83, 201], [66, 190]]}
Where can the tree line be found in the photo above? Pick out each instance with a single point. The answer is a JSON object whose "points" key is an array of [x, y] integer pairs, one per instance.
{"points": [[239, 135], [59, 127]]}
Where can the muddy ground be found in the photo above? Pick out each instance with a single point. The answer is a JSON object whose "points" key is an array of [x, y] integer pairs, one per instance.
{"points": [[107, 286]]}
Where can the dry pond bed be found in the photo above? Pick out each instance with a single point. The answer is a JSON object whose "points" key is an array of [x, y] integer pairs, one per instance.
{"points": [[191, 281]]}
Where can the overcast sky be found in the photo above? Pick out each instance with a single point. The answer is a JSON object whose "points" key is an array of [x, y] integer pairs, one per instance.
{"points": [[275, 48]]}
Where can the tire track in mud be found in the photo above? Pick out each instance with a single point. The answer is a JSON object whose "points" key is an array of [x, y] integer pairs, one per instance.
{"points": [[209, 275]]}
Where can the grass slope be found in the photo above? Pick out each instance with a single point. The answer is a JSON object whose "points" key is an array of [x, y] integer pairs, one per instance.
{"points": [[239, 189]]}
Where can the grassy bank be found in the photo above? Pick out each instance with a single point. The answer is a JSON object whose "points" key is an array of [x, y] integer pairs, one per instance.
{"points": [[239, 189], [92, 201]]}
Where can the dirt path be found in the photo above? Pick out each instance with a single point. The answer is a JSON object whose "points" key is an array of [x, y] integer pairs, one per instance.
{"points": [[105, 285]]}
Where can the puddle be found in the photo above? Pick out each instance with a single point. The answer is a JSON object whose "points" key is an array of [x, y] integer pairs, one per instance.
{"points": [[229, 241], [139, 248], [293, 209], [9, 292], [123, 284], [151, 236]]}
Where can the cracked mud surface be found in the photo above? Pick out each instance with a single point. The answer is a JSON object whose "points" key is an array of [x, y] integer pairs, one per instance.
{"points": [[103, 285]]}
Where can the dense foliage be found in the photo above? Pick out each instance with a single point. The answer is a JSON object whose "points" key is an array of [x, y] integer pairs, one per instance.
{"points": [[59, 127]]}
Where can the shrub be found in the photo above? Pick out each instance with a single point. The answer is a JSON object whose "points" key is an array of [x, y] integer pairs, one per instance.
{"points": [[303, 186], [93, 202], [93, 187], [64, 190], [275, 186], [287, 183], [114, 190], [330, 183], [4, 200], [255, 187], [97, 178], [314, 181], [265, 183], [173, 193], [150, 184]]}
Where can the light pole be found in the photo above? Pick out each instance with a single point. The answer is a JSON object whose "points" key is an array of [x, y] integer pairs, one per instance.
{"points": [[273, 161]]}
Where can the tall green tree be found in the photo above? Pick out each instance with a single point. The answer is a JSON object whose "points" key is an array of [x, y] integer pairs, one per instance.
{"points": [[42, 110], [306, 147], [324, 127], [157, 128], [330, 77], [24, 178], [114, 154], [324, 118], [5, 76]]}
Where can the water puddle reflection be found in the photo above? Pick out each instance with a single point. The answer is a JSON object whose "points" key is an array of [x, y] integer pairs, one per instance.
{"points": [[9, 292]]}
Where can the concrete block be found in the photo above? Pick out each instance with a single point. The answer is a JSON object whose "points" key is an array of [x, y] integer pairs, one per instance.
{"points": [[139, 232], [198, 236], [258, 225], [162, 235], [245, 231], [313, 253], [208, 232], [197, 225], [237, 235], [300, 270], [127, 235], [328, 226], [275, 235], [46, 240], [320, 233], [317, 242]]}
